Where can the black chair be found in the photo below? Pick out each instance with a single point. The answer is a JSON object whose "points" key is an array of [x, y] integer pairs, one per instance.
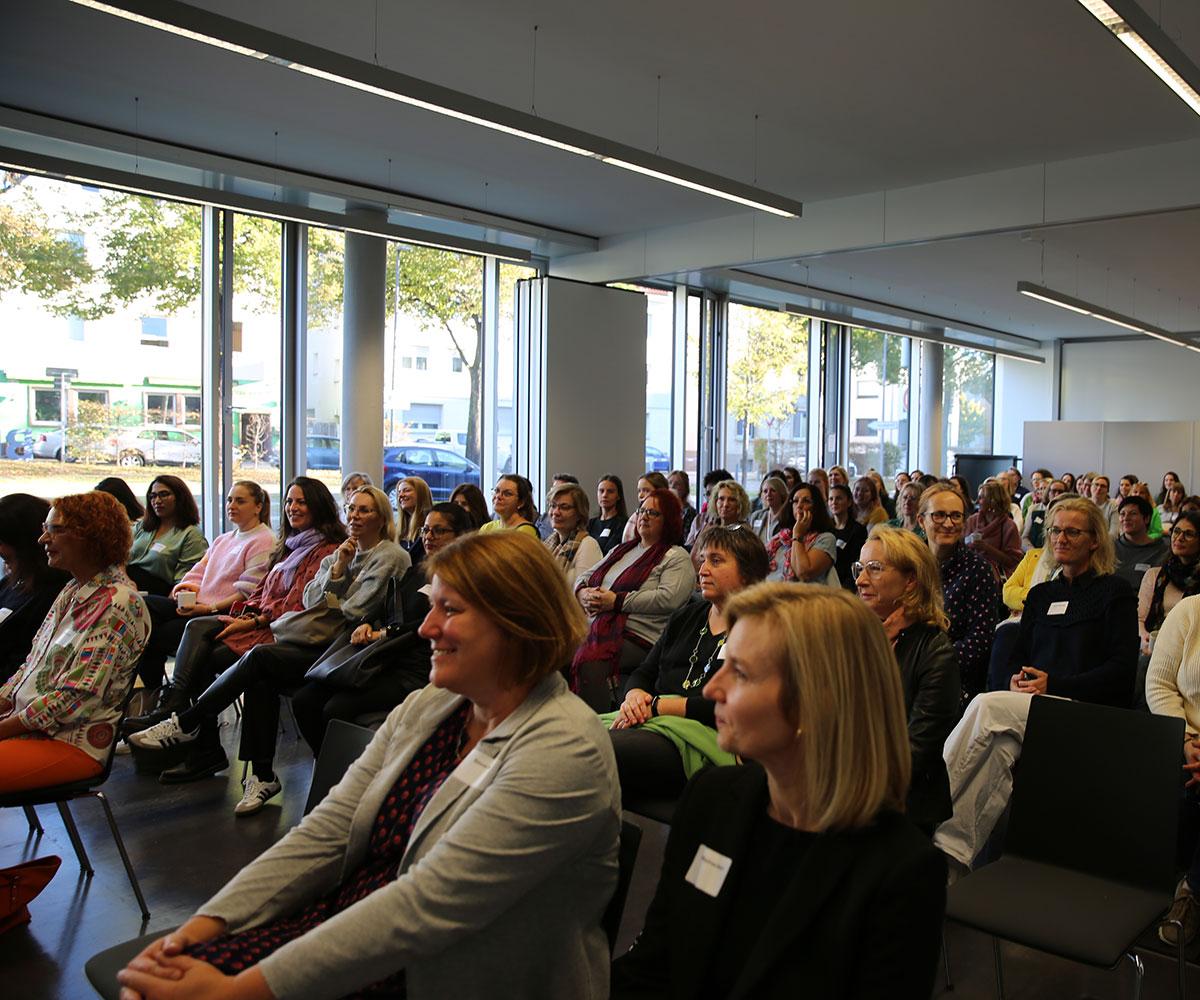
{"points": [[1088, 861], [627, 852], [61, 795]]}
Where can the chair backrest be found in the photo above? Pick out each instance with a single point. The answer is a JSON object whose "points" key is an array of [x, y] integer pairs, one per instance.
{"points": [[627, 852], [1097, 791], [343, 744]]}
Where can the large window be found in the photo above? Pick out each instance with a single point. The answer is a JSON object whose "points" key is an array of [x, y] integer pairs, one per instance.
{"points": [[880, 364], [766, 393], [325, 266], [93, 285], [968, 389], [506, 384]]}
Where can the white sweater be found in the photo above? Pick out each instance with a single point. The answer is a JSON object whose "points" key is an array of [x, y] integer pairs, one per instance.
{"points": [[1173, 679]]}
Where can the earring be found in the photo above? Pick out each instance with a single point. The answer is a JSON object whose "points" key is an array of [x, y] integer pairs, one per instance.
{"points": [[799, 731]]}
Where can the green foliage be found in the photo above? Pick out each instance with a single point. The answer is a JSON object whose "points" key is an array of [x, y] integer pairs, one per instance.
{"points": [[38, 260], [866, 350], [967, 386]]}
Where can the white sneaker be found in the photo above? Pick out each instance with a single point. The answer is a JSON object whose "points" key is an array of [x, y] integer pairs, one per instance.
{"points": [[256, 795], [161, 735]]}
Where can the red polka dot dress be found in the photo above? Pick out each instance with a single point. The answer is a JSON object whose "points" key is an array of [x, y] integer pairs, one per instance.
{"points": [[402, 807]]}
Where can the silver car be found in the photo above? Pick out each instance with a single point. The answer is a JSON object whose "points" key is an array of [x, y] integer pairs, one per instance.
{"points": [[160, 444]]}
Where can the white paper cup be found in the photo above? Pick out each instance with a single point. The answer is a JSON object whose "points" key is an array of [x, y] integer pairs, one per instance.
{"points": [[185, 599]]}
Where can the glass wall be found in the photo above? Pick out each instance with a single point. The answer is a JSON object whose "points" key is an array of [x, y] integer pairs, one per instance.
{"points": [[968, 390], [506, 384], [691, 399], [325, 273], [100, 325], [766, 394], [879, 398]]}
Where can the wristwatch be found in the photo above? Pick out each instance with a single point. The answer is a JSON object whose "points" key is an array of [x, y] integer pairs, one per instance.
{"points": [[654, 706]]}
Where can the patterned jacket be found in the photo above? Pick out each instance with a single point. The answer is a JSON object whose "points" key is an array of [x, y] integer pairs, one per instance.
{"points": [[82, 662]]}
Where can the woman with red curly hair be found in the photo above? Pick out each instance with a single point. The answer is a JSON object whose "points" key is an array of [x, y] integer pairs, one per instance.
{"points": [[59, 711], [630, 595]]}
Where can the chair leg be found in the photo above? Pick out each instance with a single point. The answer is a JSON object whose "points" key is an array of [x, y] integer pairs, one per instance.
{"points": [[31, 817], [69, 822], [112, 825], [999, 965], [1139, 972], [946, 962]]}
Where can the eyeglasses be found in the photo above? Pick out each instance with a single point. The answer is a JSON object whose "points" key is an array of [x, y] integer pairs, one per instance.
{"points": [[872, 568], [647, 512], [563, 508], [160, 495], [942, 516], [1073, 534], [503, 493], [436, 532], [1184, 534]]}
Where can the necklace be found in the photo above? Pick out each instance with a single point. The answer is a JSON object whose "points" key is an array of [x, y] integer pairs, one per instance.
{"points": [[688, 682]]}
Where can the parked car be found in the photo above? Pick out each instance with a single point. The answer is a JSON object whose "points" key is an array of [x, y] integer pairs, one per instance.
{"points": [[440, 468], [49, 443], [18, 444], [657, 460], [158, 444], [323, 452]]}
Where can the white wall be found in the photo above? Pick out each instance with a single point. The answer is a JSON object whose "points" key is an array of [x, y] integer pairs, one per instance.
{"points": [[1023, 392], [1140, 379], [1144, 448]]}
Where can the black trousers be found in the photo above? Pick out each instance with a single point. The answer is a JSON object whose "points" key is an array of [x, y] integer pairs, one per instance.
{"points": [[316, 704], [200, 656], [147, 581], [596, 685], [648, 765], [166, 633]]}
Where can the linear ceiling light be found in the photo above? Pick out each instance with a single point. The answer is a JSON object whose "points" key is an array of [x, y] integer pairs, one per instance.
{"points": [[257, 43], [1049, 295], [1137, 31]]}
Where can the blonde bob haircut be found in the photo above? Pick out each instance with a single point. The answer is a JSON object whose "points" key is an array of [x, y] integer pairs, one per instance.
{"points": [[1104, 559], [739, 492], [934, 490], [841, 689], [510, 577], [383, 507], [903, 550]]}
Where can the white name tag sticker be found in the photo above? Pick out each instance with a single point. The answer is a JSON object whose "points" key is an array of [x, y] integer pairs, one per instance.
{"points": [[1058, 608], [474, 769], [4, 613], [1142, 567], [708, 870], [427, 590], [841, 543], [606, 532], [158, 547], [721, 653]]}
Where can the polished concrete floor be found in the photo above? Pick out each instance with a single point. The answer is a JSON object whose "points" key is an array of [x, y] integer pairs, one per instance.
{"points": [[185, 842]]}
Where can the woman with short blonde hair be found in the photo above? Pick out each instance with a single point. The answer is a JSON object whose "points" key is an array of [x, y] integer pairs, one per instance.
{"points": [[809, 695], [733, 507]]}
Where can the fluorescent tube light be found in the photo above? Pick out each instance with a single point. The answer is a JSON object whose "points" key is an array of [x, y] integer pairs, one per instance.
{"points": [[1137, 32], [1064, 301], [256, 43]]}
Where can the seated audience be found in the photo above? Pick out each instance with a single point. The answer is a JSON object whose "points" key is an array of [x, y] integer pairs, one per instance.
{"points": [[608, 526], [629, 596], [1126, 484], [1154, 522], [848, 534], [1069, 481], [1165, 586], [1016, 489], [406, 881], [820, 479], [471, 499], [1109, 506], [227, 573], [115, 486], [167, 542], [543, 522], [383, 661], [834, 893], [1136, 550], [646, 485], [730, 503], [991, 531], [885, 500], [1078, 639], [774, 495], [805, 548], [310, 530], [707, 514], [969, 589], [512, 505], [413, 501], [963, 487], [1008, 482], [664, 732], [908, 504], [681, 485], [569, 542], [899, 481], [868, 511], [1170, 508], [1169, 479], [352, 483], [59, 711], [897, 578], [838, 476], [1045, 491], [1190, 503], [29, 586], [792, 477], [1037, 492]]}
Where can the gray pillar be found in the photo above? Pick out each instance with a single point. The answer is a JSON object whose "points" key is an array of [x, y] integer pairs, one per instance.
{"points": [[932, 453], [363, 355]]}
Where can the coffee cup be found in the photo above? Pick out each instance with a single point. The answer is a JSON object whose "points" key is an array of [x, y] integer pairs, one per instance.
{"points": [[185, 599]]}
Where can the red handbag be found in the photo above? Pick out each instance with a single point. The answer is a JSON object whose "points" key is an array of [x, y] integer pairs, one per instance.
{"points": [[19, 885]]}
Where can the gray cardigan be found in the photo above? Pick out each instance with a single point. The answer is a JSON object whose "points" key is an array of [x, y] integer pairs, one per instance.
{"points": [[504, 880], [363, 586], [666, 590]]}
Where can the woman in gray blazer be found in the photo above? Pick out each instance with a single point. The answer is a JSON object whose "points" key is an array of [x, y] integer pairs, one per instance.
{"points": [[471, 849]]}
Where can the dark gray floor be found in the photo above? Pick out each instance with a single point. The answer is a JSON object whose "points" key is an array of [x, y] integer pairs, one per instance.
{"points": [[185, 842]]}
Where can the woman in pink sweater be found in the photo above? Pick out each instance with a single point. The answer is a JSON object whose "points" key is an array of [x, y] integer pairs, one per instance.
{"points": [[230, 570]]}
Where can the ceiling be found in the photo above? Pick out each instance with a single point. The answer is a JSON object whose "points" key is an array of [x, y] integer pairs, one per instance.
{"points": [[851, 98]]}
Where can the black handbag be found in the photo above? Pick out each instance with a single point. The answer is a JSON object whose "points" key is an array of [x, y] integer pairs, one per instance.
{"points": [[348, 666]]}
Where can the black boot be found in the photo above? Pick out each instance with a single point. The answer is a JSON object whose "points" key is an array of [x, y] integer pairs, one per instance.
{"points": [[205, 758], [170, 699]]}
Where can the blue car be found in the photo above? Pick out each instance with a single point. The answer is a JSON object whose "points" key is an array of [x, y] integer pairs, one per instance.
{"points": [[441, 468], [657, 460]]}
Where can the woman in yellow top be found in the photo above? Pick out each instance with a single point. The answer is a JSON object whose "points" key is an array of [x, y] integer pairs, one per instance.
{"points": [[868, 510], [512, 504]]}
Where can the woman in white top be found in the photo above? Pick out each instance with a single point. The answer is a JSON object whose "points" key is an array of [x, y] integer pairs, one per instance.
{"points": [[569, 542]]}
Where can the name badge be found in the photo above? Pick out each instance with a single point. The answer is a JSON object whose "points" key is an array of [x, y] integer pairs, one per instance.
{"points": [[1142, 567], [721, 653], [708, 870], [1058, 608], [4, 613], [474, 769], [158, 547], [840, 543], [606, 532]]}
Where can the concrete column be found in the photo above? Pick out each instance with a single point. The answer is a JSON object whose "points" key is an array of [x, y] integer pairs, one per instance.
{"points": [[931, 456], [363, 355]]}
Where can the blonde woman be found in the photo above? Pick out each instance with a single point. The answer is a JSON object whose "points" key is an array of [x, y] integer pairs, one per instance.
{"points": [[868, 510], [413, 502], [897, 578], [569, 542], [810, 828]]}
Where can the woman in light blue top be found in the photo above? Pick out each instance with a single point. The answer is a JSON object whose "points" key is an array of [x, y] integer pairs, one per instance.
{"points": [[167, 542]]}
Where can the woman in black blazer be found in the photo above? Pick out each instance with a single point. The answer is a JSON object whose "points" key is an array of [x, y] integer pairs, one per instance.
{"points": [[796, 875]]}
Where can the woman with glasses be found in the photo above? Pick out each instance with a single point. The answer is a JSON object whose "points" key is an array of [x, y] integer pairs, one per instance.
{"points": [[512, 504], [897, 579], [386, 658], [848, 534], [569, 542], [413, 502], [908, 505], [608, 526], [646, 485], [167, 542], [804, 550], [969, 588], [1165, 586], [629, 597], [1077, 639]]}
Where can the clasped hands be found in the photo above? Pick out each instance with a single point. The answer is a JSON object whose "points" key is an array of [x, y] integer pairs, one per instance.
{"points": [[596, 599], [163, 972], [1036, 685], [634, 710]]}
